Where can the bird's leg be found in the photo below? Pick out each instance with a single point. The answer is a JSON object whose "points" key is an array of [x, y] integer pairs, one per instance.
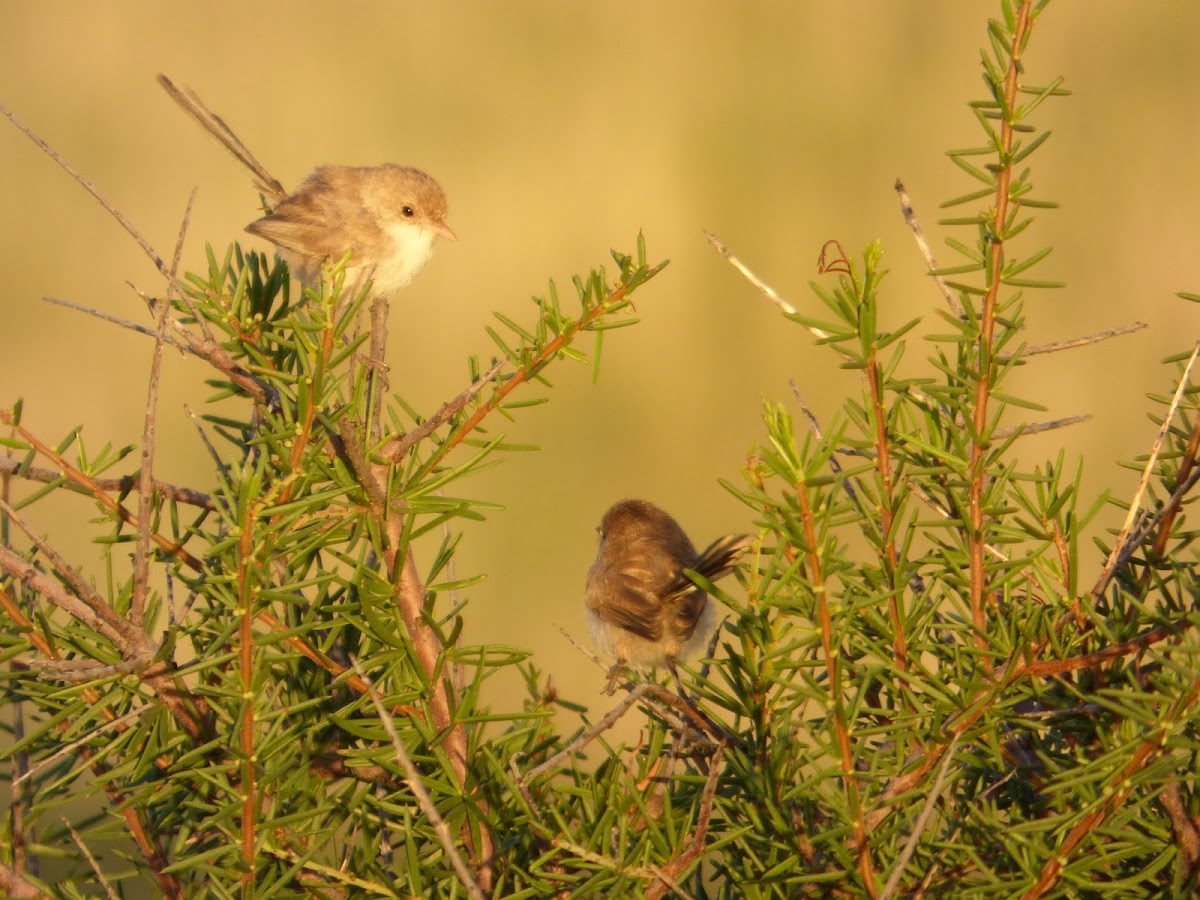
{"points": [[618, 671], [679, 682]]}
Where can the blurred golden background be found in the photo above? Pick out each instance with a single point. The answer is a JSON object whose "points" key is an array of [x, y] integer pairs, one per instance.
{"points": [[558, 131]]}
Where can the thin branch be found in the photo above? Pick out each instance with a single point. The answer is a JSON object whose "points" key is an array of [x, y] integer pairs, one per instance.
{"points": [[1084, 710], [69, 749], [583, 648], [914, 582], [184, 298], [91, 861], [922, 495], [122, 485], [24, 832], [1072, 343], [769, 292], [1123, 538], [1039, 427], [210, 350], [377, 368], [532, 365], [666, 704], [711, 650], [831, 646], [141, 555], [976, 472], [24, 624], [396, 450], [329, 876], [247, 585], [120, 322], [586, 737], [85, 604], [220, 464], [1053, 667], [541, 833], [698, 844], [410, 595], [1184, 473], [412, 777], [90, 188], [910, 845], [1187, 834], [910, 219], [1166, 511], [81, 671], [73, 474], [815, 427], [615, 865]]}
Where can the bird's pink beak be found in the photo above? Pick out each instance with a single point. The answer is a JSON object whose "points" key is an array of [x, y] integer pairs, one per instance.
{"points": [[444, 230]]}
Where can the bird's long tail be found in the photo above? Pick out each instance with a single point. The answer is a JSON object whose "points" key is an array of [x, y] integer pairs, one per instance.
{"points": [[718, 559], [271, 189]]}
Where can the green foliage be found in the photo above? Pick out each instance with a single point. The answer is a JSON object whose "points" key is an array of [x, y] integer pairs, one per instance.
{"points": [[924, 686]]}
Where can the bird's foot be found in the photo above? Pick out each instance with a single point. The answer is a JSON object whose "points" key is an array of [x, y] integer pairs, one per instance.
{"points": [[618, 671]]}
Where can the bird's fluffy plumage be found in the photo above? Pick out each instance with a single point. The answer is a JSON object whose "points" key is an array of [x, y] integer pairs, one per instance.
{"points": [[641, 607]]}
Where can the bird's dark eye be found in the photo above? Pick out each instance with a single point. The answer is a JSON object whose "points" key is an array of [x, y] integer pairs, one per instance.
{"points": [[408, 212]]}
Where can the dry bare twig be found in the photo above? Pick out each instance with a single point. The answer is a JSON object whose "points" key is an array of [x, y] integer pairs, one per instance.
{"points": [[122, 485], [400, 445], [910, 846], [587, 736], [70, 748], [141, 555], [698, 843], [1123, 542], [1073, 343], [84, 602], [91, 861], [673, 708], [1027, 429], [650, 873], [119, 322], [90, 188], [910, 219], [769, 292]]}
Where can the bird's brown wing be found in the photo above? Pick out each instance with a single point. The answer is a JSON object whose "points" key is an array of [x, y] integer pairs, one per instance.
{"points": [[632, 604], [308, 222], [300, 225]]}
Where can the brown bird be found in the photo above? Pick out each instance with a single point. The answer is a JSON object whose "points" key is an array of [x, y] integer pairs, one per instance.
{"points": [[388, 215], [641, 607]]}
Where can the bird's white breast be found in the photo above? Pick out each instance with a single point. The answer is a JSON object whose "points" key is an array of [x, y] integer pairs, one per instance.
{"points": [[411, 248]]}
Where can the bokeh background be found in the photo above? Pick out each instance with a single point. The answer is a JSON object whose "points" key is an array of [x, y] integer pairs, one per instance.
{"points": [[559, 130]]}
